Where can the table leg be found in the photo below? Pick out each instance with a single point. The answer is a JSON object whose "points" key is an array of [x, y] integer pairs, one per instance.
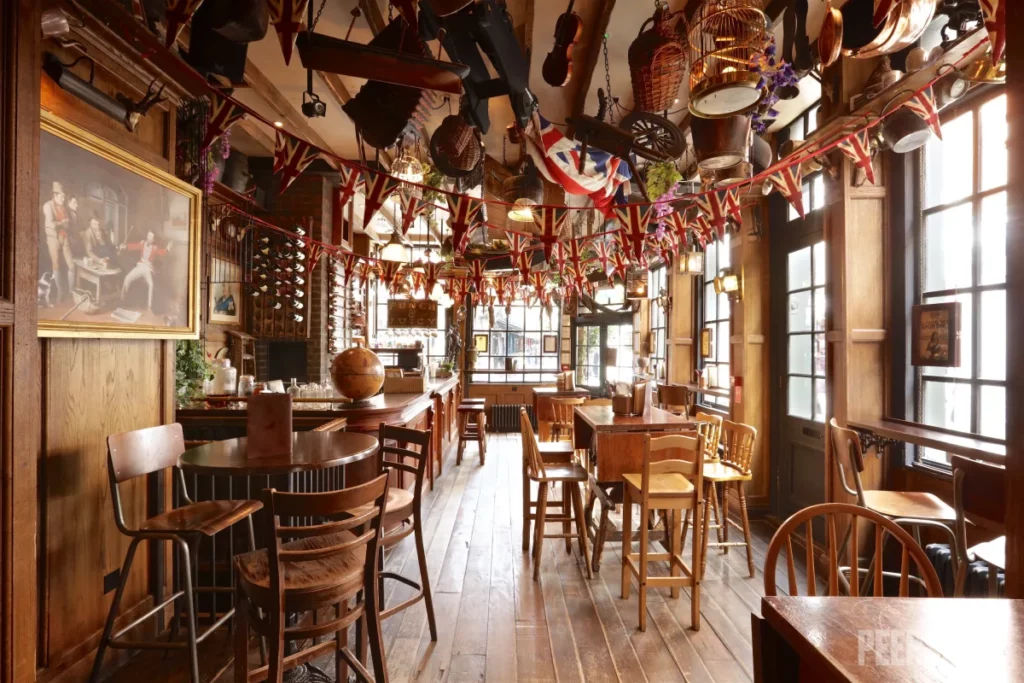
{"points": [[775, 660]]}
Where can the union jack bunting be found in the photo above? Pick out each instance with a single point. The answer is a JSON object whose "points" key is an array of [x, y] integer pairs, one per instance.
{"points": [[412, 207], [520, 257], [477, 270], [291, 157], [286, 16], [858, 148], [379, 187], [995, 24], [551, 220], [561, 255], [430, 275], [178, 14], [223, 114], [348, 266], [351, 181], [626, 249], [789, 182], [702, 229], [604, 254], [456, 289], [464, 213], [418, 280], [387, 271], [574, 249], [717, 208], [538, 281], [504, 287], [634, 219], [667, 247], [923, 104], [365, 271], [620, 264]]}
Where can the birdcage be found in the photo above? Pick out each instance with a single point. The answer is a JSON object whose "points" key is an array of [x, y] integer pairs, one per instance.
{"points": [[726, 38], [657, 62]]}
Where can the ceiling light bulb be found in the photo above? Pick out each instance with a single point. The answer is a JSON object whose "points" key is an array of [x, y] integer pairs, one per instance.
{"points": [[522, 210], [278, 124]]}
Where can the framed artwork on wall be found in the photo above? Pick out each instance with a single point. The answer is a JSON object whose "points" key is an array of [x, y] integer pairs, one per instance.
{"points": [[935, 331], [480, 342], [707, 340], [225, 295], [119, 241], [550, 343]]}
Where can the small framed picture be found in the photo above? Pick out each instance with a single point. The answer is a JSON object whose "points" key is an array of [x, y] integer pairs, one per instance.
{"points": [[935, 330], [225, 292], [550, 343], [480, 342], [707, 340]]}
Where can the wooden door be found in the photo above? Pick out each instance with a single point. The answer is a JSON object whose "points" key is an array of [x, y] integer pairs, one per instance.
{"points": [[798, 359]]}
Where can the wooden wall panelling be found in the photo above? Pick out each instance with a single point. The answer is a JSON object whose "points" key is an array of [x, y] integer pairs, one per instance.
{"points": [[680, 328]]}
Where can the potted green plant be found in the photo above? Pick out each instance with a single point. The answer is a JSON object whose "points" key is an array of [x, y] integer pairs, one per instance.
{"points": [[191, 371]]}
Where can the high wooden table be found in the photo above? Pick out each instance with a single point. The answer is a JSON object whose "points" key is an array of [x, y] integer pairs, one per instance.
{"points": [[888, 640], [616, 446]]}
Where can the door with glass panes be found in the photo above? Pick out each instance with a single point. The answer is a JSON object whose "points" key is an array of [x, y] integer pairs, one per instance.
{"points": [[798, 344], [604, 350]]}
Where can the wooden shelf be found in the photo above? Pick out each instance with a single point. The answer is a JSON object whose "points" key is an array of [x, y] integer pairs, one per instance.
{"points": [[708, 391], [969, 446]]}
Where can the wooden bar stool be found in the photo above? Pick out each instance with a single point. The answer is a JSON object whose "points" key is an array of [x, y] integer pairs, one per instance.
{"points": [[673, 486], [472, 426], [329, 563], [134, 454], [732, 470], [551, 453], [570, 475], [562, 410]]}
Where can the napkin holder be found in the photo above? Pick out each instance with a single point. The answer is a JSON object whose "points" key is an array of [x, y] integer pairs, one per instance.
{"points": [[622, 405], [268, 426]]}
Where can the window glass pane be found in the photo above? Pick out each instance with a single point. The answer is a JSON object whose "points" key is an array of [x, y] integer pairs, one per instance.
{"points": [[800, 397], [799, 269], [796, 129], [993, 128], [993, 412], [819, 400], [950, 162], [818, 193], [993, 335], [724, 253], [819, 354], [819, 308], [948, 405], [800, 354], [800, 312], [947, 252], [722, 342], [966, 339], [710, 303], [820, 266], [993, 239], [723, 306]]}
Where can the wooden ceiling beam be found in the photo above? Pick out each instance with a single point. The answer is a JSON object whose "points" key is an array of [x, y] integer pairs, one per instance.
{"points": [[590, 59], [374, 18]]}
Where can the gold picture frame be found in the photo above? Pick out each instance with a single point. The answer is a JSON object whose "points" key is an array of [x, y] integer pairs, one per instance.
{"points": [[120, 241]]}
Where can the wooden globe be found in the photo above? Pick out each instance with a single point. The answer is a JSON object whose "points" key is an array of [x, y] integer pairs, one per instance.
{"points": [[357, 373]]}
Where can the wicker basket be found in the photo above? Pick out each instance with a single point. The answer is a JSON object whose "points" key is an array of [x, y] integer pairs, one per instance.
{"points": [[657, 63]]}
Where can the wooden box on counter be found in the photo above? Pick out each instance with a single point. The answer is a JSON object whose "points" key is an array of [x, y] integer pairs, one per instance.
{"points": [[405, 385]]}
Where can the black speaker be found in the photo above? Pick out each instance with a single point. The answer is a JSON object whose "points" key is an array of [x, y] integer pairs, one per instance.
{"points": [[221, 33]]}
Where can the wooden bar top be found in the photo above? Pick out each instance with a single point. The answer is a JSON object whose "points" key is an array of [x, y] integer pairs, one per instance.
{"points": [[922, 435], [555, 392], [602, 419], [899, 640]]}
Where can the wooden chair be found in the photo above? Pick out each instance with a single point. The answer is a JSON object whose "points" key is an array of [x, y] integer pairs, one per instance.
{"points": [[674, 398], [551, 453], [472, 427], [883, 528], [710, 427], [135, 454], [328, 563], [570, 475], [979, 500], [562, 410], [674, 486], [731, 471], [405, 509]]}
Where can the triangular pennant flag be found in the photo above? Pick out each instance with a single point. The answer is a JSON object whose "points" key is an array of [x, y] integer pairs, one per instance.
{"points": [[538, 281], [603, 254], [379, 187], [286, 16], [668, 247], [923, 104], [464, 213], [789, 181], [716, 209], [224, 113], [351, 181], [431, 271], [634, 219], [574, 248], [178, 13], [626, 248], [457, 289], [550, 220], [517, 252], [995, 24], [412, 207], [702, 229], [365, 271], [731, 200], [620, 264], [679, 225], [560, 254], [348, 266], [291, 157], [418, 280], [858, 148], [477, 270]]}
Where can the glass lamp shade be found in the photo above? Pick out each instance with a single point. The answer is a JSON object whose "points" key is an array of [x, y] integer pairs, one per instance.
{"points": [[636, 284], [408, 168], [522, 210], [692, 263], [394, 250], [524, 192]]}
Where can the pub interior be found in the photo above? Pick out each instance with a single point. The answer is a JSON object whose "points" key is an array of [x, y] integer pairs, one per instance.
{"points": [[503, 340]]}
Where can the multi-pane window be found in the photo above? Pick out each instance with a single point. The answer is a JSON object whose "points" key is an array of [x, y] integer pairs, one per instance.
{"points": [[813, 185], [525, 340], [435, 341], [962, 254], [658, 321], [604, 342], [805, 332], [715, 311]]}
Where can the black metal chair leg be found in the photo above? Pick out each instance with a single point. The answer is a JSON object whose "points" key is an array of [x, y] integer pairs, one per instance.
{"points": [[108, 628], [193, 650]]}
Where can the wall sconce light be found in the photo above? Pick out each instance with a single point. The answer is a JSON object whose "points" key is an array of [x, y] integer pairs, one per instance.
{"points": [[731, 283], [636, 284], [691, 263], [664, 299]]}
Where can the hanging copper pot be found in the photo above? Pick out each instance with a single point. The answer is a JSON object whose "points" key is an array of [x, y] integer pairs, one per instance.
{"points": [[721, 143], [904, 131], [901, 28], [830, 39]]}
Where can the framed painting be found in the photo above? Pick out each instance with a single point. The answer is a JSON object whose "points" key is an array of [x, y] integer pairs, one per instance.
{"points": [[707, 339], [935, 334], [480, 342], [119, 241], [225, 293], [550, 343]]}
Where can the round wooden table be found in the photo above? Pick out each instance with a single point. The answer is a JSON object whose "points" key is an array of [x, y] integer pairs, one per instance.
{"points": [[310, 451]]}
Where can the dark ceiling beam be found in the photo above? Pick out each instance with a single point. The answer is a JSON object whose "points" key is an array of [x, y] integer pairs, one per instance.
{"points": [[590, 59]]}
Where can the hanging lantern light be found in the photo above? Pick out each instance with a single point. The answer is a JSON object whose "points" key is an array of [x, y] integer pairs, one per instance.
{"points": [[636, 284], [408, 168], [394, 250], [523, 192], [726, 37], [691, 263]]}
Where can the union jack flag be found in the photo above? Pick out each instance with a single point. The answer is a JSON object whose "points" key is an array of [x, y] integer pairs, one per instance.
{"points": [[224, 113], [504, 286], [561, 255], [702, 229], [291, 157], [620, 264], [718, 207], [178, 14], [575, 252], [456, 289], [412, 207], [923, 104], [387, 271], [286, 16], [858, 148], [557, 157], [418, 280], [634, 219], [517, 253], [789, 180], [604, 254], [995, 24], [431, 271], [551, 221], [667, 247], [680, 225], [351, 181], [539, 281], [379, 187], [348, 265], [465, 212], [365, 271], [477, 270]]}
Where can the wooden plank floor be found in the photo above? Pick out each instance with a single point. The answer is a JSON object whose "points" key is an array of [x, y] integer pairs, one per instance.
{"points": [[496, 624]]}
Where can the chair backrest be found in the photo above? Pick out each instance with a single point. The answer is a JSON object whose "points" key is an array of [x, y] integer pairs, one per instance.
{"points": [[852, 514], [979, 497], [393, 451], [356, 510], [710, 427], [738, 445], [531, 453], [562, 409], [846, 447], [335, 425], [673, 398], [144, 451], [691, 466]]}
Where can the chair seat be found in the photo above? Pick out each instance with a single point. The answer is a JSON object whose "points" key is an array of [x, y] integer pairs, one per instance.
{"points": [[564, 472], [668, 484], [551, 449], [914, 504], [207, 517], [718, 471], [397, 508], [336, 571]]}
